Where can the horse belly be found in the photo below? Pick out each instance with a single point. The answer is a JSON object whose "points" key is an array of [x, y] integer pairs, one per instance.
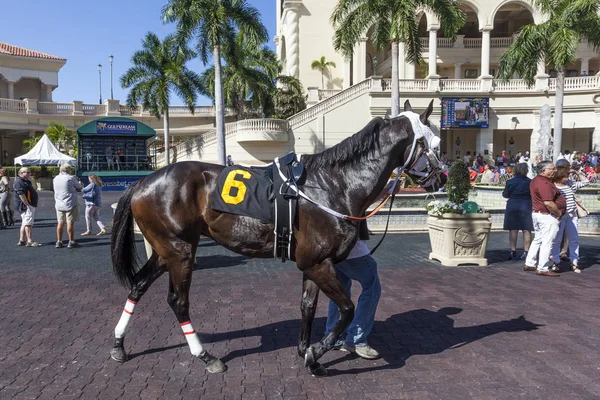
{"points": [[246, 236]]}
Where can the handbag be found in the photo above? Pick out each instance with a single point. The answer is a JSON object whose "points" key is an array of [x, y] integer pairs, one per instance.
{"points": [[581, 210], [88, 195]]}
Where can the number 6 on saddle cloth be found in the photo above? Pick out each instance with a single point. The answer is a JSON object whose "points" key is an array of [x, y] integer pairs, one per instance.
{"points": [[268, 193]]}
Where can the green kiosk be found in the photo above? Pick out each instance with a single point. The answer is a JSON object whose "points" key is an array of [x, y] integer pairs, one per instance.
{"points": [[116, 150]]}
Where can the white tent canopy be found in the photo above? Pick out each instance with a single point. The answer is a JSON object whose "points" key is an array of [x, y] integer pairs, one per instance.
{"points": [[44, 153]]}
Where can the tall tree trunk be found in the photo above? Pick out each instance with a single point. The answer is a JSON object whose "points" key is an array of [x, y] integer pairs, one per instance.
{"points": [[558, 112], [166, 133], [322, 81], [395, 80], [220, 107]]}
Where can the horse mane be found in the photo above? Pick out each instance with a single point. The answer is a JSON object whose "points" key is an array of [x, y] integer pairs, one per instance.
{"points": [[350, 150]]}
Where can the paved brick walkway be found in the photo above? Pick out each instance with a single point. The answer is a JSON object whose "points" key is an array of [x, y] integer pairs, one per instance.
{"points": [[444, 333]]}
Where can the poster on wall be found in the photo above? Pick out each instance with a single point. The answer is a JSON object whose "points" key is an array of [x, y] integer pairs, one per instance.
{"points": [[465, 112]]}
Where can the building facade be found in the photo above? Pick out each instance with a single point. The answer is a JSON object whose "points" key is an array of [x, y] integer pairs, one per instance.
{"points": [[462, 68]]}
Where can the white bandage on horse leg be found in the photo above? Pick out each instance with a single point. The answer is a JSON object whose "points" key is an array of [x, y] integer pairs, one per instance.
{"points": [[124, 320], [190, 335]]}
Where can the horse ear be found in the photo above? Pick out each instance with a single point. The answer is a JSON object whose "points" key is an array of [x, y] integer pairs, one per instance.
{"points": [[427, 113], [407, 106]]}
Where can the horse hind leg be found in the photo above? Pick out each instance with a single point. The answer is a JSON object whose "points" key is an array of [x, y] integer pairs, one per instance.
{"points": [[141, 282], [308, 307], [178, 299]]}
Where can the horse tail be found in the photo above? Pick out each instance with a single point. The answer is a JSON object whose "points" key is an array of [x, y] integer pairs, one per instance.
{"points": [[122, 240]]}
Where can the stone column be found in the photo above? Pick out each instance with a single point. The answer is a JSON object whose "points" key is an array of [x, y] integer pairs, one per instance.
{"points": [[292, 42], [457, 70], [585, 65], [596, 133], [432, 54], [485, 141], [347, 73], [362, 59], [401, 60], [77, 107], [11, 89], [410, 71], [49, 92], [485, 52], [542, 78]]}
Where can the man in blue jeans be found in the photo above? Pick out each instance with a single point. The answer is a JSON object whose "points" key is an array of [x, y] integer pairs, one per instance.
{"points": [[362, 267]]}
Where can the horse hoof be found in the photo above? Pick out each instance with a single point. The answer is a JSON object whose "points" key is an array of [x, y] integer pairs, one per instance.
{"points": [[216, 367], [118, 354], [309, 357], [317, 370]]}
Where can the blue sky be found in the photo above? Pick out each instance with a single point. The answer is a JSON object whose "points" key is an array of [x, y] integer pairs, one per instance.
{"points": [[87, 32]]}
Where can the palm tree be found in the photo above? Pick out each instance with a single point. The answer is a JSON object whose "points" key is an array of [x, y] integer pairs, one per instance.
{"points": [[289, 97], [64, 138], [394, 22], [323, 66], [30, 143], [159, 69], [554, 42], [248, 78], [213, 25]]}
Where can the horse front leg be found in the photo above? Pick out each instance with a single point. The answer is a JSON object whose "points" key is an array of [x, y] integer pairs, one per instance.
{"points": [[324, 276], [141, 282], [308, 306], [179, 300]]}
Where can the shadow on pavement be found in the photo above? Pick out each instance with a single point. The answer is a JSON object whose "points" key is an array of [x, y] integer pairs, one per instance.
{"points": [[417, 332]]}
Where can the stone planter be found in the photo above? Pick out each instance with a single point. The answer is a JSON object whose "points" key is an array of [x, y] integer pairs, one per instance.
{"points": [[459, 239]]}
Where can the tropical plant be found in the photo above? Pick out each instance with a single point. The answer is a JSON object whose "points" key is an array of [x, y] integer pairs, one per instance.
{"points": [[213, 26], [159, 69], [30, 143], [289, 98], [248, 78], [63, 138], [323, 67], [457, 187], [393, 22], [554, 43]]}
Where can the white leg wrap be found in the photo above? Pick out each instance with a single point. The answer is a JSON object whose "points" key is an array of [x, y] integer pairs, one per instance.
{"points": [[124, 320], [192, 339]]}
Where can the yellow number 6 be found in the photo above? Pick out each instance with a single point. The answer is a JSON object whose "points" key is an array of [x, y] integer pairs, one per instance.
{"points": [[230, 182]]}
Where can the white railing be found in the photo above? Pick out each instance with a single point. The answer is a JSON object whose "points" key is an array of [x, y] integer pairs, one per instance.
{"points": [[10, 105], [406, 85], [327, 93], [345, 95], [472, 43], [581, 83], [459, 85], [48, 107], [468, 43], [511, 85], [94, 109], [445, 43], [499, 42], [266, 125]]}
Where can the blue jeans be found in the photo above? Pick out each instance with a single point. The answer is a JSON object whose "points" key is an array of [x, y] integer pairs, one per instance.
{"points": [[363, 270]]}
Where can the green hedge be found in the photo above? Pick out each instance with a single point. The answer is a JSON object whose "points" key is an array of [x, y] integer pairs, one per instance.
{"points": [[37, 171]]}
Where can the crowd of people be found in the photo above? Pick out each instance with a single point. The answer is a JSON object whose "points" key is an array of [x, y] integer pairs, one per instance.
{"points": [[66, 192]]}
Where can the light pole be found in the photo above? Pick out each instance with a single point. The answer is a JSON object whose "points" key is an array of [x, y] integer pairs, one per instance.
{"points": [[111, 58], [100, 81], [375, 65]]}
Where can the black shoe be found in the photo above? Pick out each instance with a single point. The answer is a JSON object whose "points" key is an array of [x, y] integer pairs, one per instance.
{"points": [[524, 256], [513, 256]]}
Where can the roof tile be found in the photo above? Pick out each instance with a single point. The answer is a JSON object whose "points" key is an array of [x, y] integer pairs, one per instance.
{"points": [[6, 48]]}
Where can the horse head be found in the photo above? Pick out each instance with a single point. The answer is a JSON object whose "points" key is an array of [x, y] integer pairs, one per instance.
{"points": [[422, 163]]}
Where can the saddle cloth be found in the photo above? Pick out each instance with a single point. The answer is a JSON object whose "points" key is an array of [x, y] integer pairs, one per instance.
{"points": [[245, 191], [268, 193]]}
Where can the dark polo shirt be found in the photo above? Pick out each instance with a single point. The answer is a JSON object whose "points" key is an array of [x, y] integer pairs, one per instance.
{"points": [[542, 189]]}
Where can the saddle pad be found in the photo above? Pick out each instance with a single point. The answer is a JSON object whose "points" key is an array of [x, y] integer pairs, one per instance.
{"points": [[244, 191]]}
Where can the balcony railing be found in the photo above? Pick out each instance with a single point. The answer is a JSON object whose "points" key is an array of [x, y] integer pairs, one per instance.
{"points": [[467, 43], [78, 108]]}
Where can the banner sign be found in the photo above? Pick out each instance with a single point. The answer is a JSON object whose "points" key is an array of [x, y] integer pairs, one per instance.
{"points": [[466, 112], [121, 127], [118, 183]]}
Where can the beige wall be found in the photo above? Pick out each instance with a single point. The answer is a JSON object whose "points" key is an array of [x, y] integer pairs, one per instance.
{"points": [[28, 89]]}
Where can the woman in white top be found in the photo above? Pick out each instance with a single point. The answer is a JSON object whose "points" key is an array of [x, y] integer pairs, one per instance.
{"points": [[568, 222]]}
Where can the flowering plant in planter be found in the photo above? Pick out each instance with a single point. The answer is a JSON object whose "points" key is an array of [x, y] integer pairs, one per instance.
{"points": [[458, 187]]}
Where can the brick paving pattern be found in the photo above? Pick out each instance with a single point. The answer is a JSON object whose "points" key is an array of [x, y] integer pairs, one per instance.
{"points": [[444, 333]]}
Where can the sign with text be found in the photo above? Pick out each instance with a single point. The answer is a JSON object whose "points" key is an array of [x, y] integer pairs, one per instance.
{"points": [[116, 127]]}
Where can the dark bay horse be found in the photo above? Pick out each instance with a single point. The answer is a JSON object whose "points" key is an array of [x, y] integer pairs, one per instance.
{"points": [[172, 208]]}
